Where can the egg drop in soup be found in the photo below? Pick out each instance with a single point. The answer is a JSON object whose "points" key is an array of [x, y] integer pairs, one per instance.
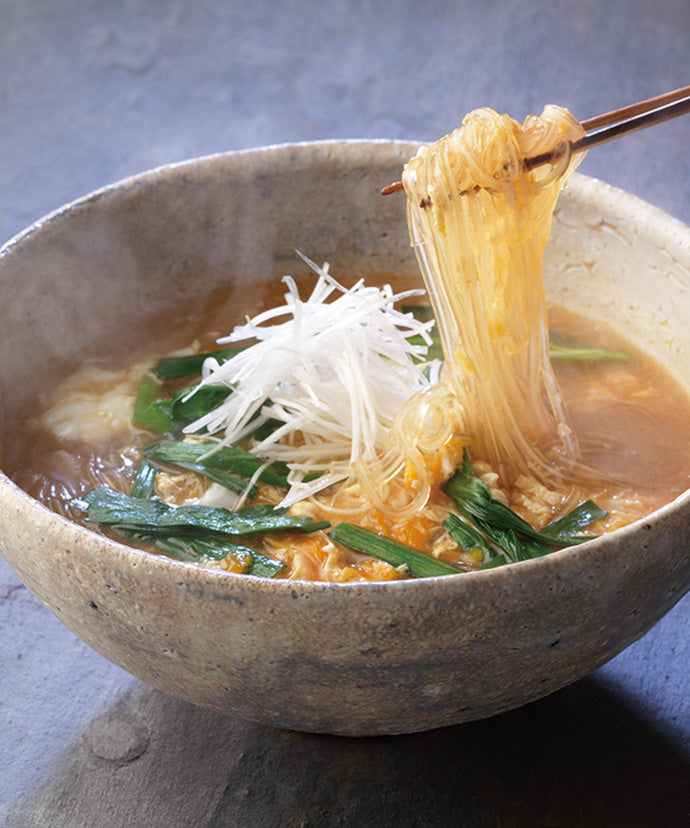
{"points": [[349, 431]]}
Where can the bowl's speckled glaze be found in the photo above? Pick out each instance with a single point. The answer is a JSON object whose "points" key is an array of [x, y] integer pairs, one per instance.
{"points": [[340, 658]]}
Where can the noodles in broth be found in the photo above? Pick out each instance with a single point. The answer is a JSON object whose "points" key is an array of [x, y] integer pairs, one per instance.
{"points": [[493, 414]]}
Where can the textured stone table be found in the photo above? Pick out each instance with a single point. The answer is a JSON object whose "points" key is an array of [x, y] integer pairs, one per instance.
{"points": [[93, 91]]}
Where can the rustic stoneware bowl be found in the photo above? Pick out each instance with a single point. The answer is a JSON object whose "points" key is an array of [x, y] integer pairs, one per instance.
{"points": [[345, 658]]}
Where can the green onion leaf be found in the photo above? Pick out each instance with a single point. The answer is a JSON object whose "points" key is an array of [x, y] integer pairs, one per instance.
{"points": [[233, 482], [506, 531], [145, 479], [192, 549], [474, 500], [574, 522], [188, 404], [230, 481], [149, 412], [422, 313], [206, 457], [515, 546], [180, 366], [419, 564], [165, 416], [111, 508], [558, 353], [465, 535], [492, 563], [563, 349]]}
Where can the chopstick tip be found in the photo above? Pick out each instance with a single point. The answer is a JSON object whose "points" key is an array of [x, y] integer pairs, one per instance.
{"points": [[395, 187]]}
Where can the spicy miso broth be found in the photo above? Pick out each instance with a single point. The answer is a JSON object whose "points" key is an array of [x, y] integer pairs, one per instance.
{"points": [[631, 420], [359, 433]]}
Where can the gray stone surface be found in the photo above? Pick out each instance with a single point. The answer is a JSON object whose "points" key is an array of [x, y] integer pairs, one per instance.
{"points": [[93, 91]]}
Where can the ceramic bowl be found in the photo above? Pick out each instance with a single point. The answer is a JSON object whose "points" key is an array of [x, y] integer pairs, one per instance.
{"points": [[338, 658]]}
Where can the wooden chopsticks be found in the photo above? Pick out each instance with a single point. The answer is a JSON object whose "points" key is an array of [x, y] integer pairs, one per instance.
{"points": [[639, 108], [604, 128]]}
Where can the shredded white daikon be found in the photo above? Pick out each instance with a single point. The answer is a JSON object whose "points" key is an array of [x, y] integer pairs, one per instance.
{"points": [[330, 373]]}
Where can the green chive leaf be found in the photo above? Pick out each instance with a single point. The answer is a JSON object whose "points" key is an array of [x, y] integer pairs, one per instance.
{"points": [[188, 404], [145, 479], [149, 412], [574, 522], [505, 529], [419, 564], [110, 508], [213, 456], [563, 349], [180, 366], [192, 549]]}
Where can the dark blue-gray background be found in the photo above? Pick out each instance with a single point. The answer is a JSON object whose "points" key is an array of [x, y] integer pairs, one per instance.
{"points": [[94, 91]]}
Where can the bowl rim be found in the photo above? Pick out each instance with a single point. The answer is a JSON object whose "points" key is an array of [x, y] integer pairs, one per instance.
{"points": [[616, 198], [162, 170], [621, 202]]}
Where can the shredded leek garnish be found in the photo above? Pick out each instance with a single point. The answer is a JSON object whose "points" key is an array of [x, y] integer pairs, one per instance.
{"points": [[332, 371]]}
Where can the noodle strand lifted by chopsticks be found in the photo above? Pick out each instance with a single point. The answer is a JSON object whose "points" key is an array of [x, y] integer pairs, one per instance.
{"points": [[479, 223]]}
